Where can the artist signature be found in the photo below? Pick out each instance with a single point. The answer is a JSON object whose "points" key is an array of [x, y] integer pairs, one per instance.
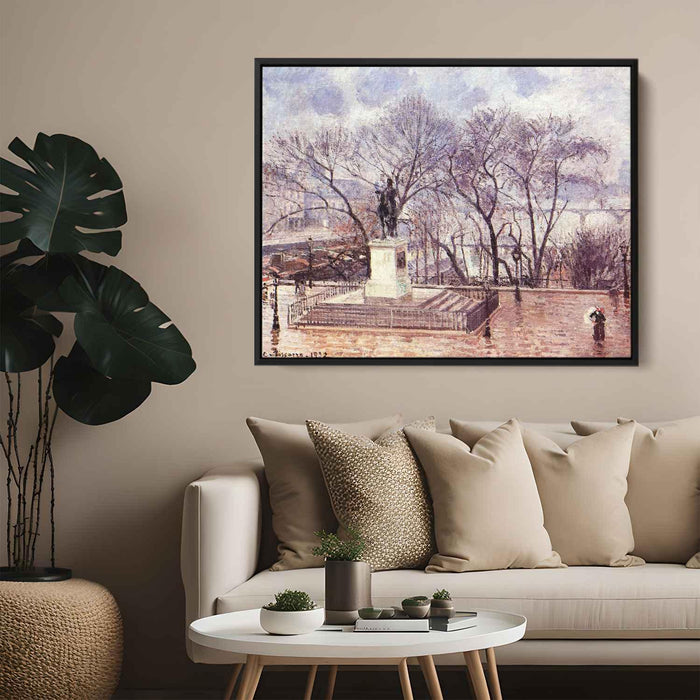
{"points": [[279, 353]]}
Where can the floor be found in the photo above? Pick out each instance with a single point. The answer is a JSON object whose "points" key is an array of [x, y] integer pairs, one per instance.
{"points": [[517, 683]]}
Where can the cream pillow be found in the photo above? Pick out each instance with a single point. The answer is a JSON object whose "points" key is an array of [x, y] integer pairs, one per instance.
{"points": [[487, 511], [298, 498], [663, 493], [582, 490], [377, 488]]}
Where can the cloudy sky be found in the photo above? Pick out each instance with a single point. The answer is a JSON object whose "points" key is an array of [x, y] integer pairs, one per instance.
{"points": [[309, 96]]}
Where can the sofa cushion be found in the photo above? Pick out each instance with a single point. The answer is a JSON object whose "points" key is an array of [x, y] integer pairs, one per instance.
{"points": [[582, 489], [378, 489], [664, 490], [298, 497], [561, 433], [487, 511], [647, 602]]}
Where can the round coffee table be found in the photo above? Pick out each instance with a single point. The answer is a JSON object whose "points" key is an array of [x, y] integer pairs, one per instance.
{"points": [[240, 632]]}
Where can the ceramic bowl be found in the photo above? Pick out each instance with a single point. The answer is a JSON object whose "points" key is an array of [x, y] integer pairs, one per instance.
{"points": [[418, 609], [299, 622], [387, 613], [369, 613]]}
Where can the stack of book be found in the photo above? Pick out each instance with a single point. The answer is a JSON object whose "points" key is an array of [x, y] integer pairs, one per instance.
{"points": [[403, 623]]}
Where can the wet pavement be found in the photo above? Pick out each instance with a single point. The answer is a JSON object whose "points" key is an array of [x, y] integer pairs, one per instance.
{"points": [[546, 323]]}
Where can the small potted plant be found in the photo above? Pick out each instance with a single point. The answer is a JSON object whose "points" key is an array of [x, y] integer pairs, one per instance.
{"points": [[348, 580], [416, 606], [292, 612], [441, 605]]}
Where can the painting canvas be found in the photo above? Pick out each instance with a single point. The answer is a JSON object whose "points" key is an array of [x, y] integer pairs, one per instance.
{"points": [[472, 211]]}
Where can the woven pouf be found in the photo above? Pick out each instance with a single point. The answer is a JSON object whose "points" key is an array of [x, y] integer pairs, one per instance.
{"points": [[58, 640]]}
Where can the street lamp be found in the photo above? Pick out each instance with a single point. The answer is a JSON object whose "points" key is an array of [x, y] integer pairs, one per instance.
{"points": [[624, 249], [517, 257], [310, 244], [275, 308]]}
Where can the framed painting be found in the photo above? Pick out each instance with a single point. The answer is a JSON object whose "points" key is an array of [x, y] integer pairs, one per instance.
{"points": [[446, 211]]}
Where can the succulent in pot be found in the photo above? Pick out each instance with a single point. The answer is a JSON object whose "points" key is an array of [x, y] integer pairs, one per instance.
{"points": [[348, 580], [417, 606], [441, 605], [292, 612]]}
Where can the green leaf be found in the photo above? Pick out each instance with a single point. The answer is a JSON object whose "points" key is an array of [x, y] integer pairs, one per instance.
{"points": [[25, 249], [40, 281], [62, 200], [91, 398], [26, 332], [123, 333]]}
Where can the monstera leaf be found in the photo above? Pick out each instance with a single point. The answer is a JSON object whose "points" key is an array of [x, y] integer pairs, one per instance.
{"points": [[58, 201], [41, 280], [124, 335], [25, 249], [91, 398], [26, 332]]}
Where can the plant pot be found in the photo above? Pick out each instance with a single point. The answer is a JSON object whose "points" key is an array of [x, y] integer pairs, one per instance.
{"points": [[441, 607], [348, 588], [297, 622], [37, 574]]}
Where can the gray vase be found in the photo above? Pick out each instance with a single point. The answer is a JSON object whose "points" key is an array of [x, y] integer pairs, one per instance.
{"points": [[348, 588]]}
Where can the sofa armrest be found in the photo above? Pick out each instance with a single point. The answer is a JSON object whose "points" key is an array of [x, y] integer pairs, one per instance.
{"points": [[221, 525]]}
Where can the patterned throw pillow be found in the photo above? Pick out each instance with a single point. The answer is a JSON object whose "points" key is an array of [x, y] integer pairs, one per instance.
{"points": [[378, 488]]}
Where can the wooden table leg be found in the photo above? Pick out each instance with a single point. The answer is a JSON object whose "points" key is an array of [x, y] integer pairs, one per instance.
{"points": [[248, 673], [228, 693], [476, 672], [332, 673], [405, 680], [310, 682], [492, 670], [255, 679], [431, 677]]}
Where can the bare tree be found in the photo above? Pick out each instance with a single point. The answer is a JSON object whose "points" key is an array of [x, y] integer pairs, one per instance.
{"points": [[478, 173], [593, 257], [407, 143], [309, 171], [436, 221], [546, 158]]}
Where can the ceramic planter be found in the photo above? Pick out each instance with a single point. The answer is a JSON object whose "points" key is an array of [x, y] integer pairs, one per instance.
{"points": [[348, 588], [441, 607], [297, 622]]}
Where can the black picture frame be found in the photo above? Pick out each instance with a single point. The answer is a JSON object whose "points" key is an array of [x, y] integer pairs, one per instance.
{"points": [[632, 360]]}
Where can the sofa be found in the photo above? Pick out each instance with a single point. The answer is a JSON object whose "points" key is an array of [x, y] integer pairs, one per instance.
{"points": [[580, 615]]}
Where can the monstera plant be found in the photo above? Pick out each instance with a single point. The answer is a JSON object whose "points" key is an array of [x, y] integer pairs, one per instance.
{"points": [[67, 203]]}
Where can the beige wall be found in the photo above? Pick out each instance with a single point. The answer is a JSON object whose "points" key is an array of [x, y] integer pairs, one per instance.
{"points": [[164, 89]]}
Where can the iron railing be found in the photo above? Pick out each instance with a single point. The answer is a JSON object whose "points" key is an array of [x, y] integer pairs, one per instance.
{"points": [[307, 312], [301, 307]]}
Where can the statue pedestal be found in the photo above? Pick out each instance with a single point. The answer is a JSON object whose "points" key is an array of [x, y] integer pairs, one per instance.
{"points": [[388, 269]]}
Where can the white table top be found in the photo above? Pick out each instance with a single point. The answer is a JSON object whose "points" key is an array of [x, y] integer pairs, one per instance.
{"points": [[240, 632]]}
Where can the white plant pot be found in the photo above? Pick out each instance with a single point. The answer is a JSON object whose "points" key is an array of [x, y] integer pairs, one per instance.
{"points": [[299, 622]]}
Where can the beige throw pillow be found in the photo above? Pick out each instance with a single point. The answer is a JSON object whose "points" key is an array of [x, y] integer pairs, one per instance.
{"points": [[378, 489], [487, 511], [663, 493], [298, 497], [582, 490]]}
